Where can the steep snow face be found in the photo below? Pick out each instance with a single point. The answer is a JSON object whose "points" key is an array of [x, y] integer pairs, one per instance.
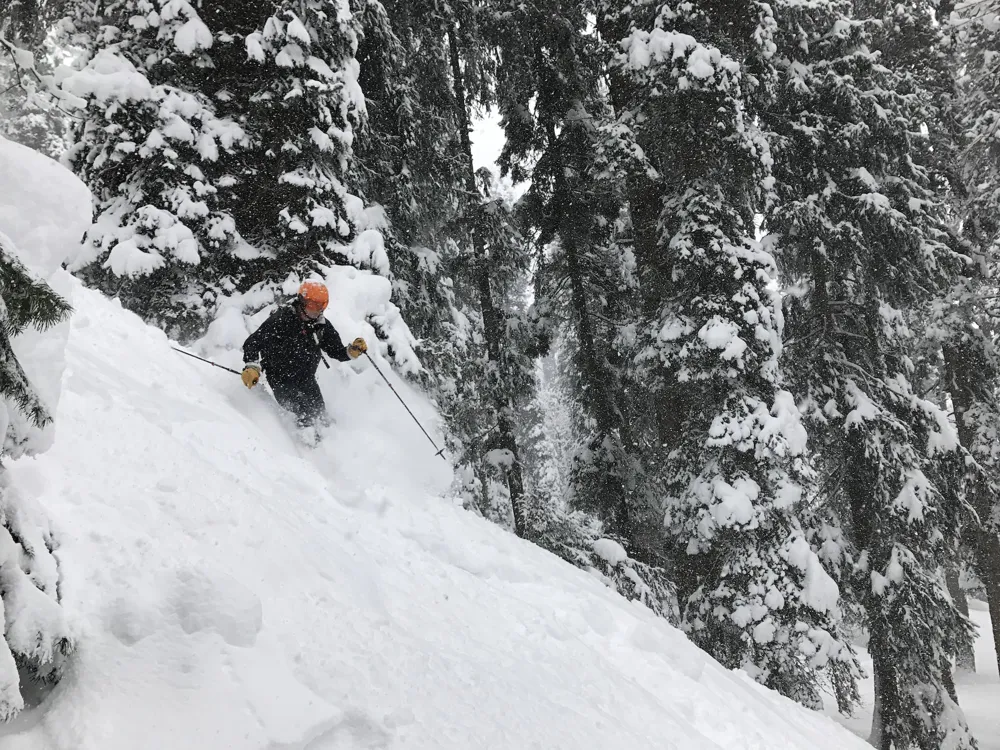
{"points": [[234, 590]]}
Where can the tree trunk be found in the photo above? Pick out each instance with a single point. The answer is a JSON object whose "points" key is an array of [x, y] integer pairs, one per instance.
{"points": [[875, 738], [492, 320], [964, 378], [965, 656], [644, 207], [886, 698], [609, 418], [988, 569]]}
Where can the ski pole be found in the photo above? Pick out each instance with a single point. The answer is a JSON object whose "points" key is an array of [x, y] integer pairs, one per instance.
{"points": [[208, 361], [319, 346], [440, 451]]}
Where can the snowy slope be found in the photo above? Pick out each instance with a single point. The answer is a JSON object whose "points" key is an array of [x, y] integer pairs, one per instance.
{"points": [[233, 591]]}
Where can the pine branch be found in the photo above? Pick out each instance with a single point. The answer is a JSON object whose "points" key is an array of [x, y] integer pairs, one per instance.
{"points": [[15, 386], [28, 301]]}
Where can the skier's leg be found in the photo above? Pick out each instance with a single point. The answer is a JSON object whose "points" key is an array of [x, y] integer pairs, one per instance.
{"points": [[312, 404], [289, 395], [283, 392], [304, 400]]}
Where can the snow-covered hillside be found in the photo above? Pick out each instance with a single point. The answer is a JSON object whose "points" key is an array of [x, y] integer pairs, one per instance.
{"points": [[233, 591], [229, 588]]}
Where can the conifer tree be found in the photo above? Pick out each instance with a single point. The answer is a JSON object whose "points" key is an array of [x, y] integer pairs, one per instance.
{"points": [[35, 636], [408, 155], [862, 247], [218, 142], [549, 93], [548, 435], [754, 594], [35, 639], [29, 111], [969, 311], [497, 263], [627, 159]]}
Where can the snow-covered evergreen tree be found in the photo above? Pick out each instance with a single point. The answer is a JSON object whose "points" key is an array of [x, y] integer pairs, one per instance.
{"points": [[553, 104], [548, 432], [968, 312], [302, 105], [408, 156], [754, 593], [35, 636], [500, 369], [861, 245], [149, 147], [22, 121], [29, 113], [977, 33], [218, 141], [492, 277], [549, 94]]}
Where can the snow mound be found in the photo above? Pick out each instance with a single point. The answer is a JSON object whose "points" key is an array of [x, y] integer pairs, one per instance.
{"points": [[235, 590], [44, 211], [44, 208], [610, 551]]}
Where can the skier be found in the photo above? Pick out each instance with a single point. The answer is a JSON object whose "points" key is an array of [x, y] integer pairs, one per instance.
{"points": [[288, 347]]}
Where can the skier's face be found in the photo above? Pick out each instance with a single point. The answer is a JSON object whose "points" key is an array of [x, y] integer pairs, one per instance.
{"points": [[311, 310]]}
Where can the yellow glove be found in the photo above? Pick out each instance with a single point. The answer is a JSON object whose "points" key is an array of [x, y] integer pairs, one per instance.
{"points": [[357, 348], [251, 374]]}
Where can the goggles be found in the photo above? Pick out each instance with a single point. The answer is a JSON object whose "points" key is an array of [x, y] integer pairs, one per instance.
{"points": [[313, 309]]}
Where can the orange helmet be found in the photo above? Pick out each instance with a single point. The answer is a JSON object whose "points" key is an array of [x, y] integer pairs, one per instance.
{"points": [[314, 296]]}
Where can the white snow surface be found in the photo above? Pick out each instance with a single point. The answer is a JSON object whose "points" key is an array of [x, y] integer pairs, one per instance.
{"points": [[232, 589], [610, 551]]}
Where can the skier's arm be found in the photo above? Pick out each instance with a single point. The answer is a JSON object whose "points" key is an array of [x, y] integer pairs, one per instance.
{"points": [[332, 345], [256, 342]]}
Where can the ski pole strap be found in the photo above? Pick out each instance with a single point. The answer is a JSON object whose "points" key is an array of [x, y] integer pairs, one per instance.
{"points": [[440, 451], [206, 361]]}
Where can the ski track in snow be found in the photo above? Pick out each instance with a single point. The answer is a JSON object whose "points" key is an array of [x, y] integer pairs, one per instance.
{"points": [[232, 590]]}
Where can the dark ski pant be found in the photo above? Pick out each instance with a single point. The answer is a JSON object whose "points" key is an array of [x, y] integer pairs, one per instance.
{"points": [[302, 398]]}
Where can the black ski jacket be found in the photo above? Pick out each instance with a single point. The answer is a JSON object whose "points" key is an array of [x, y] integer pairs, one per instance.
{"points": [[288, 348]]}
